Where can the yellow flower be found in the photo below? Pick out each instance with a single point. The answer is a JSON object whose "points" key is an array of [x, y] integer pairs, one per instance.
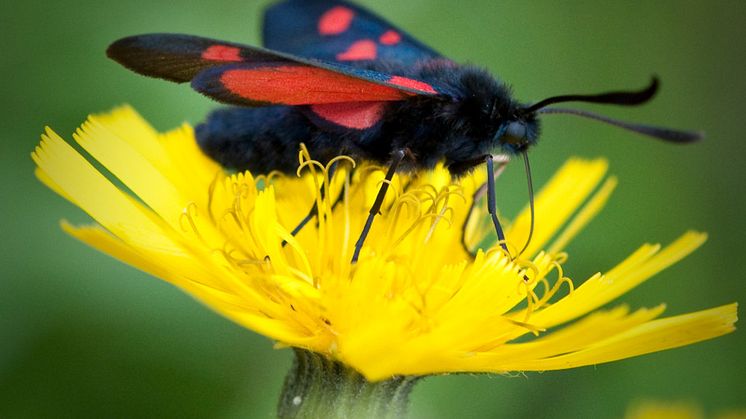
{"points": [[664, 410], [658, 409], [416, 302]]}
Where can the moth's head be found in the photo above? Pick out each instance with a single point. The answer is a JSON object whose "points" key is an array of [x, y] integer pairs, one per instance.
{"points": [[517, 131], [485, 111]]}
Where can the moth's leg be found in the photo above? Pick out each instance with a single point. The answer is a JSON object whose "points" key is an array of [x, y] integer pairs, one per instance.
{"points": [[491, 206], [501, 161], [315, 209], [397, 158], [312, 213]]}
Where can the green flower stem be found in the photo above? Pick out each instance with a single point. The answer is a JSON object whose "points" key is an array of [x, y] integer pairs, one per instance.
{"points": [[318, 387]]}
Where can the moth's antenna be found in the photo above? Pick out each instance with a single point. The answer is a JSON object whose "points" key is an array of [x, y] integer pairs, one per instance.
{"points": [[623, 98], [527, 166], [660, 133]]}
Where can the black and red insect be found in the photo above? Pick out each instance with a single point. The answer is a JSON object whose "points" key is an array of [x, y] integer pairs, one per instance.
{"points": [[343, 81]]}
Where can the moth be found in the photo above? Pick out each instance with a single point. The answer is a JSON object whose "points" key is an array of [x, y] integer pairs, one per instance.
{"points": [[342, 80]]}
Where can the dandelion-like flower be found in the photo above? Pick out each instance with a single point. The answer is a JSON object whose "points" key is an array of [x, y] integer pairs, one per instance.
{"points": [[416, 303], [662, 410], [686, 409]]}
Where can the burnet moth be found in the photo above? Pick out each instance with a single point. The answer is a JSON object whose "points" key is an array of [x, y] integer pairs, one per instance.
{"points": [[341, 80]]}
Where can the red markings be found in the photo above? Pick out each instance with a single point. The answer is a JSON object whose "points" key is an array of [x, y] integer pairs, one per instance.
{"points": [[412, 84], [356, 115], [302, 85], [365, 49], [390, 37], [335, 20], [222, 53]]}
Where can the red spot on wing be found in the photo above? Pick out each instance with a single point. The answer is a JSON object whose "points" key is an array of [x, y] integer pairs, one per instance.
{"points": [[356, 115], [390, 37], [301, 85], [336, 20], [361, 50], [222, 53], [412, 84]]}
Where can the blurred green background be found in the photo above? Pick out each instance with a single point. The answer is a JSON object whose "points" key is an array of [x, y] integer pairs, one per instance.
{"points": [[84, 336]]}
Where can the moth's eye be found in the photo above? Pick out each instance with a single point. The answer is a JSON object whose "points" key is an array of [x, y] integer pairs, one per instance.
{"points": [[516, 132]]}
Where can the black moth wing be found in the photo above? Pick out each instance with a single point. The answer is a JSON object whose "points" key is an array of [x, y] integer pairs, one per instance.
{"points": [[339, 31], [176, 57]]}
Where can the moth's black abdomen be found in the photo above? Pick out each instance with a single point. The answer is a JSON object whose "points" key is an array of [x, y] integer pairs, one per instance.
{"points": [[257, 139]]}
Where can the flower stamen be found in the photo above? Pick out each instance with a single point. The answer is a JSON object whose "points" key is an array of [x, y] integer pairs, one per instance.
{"points": [[187, 215]]}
